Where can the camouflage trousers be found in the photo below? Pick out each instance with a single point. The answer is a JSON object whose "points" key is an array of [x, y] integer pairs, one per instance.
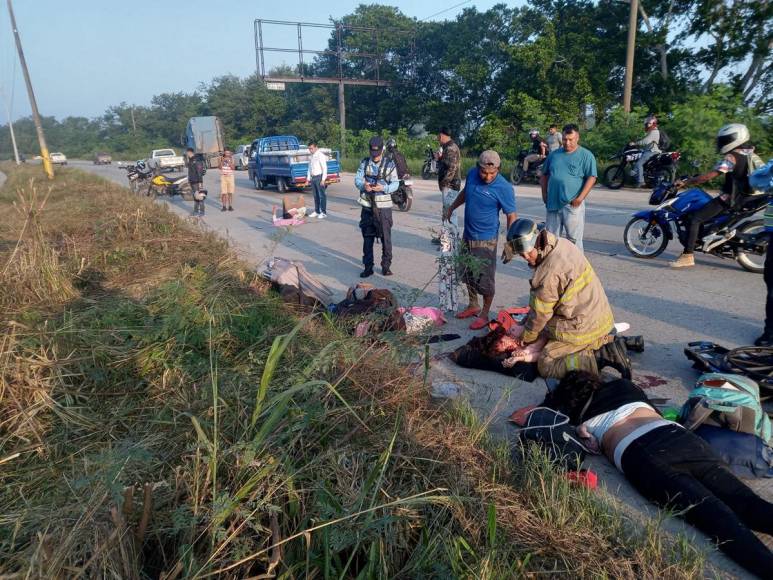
{"points": [[558, 358]]}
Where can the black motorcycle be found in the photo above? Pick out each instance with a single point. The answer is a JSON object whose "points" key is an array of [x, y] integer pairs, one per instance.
{"points": [[138, 175], [430, 167], [517, 175], [403, 197], [658, 168]]}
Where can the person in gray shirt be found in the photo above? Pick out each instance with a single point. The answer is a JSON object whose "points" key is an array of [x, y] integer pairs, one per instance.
{"points": [[650, 145], [553, 139]]}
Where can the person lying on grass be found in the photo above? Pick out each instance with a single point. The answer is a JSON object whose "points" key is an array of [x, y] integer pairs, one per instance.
{"points": [[668, 464]]}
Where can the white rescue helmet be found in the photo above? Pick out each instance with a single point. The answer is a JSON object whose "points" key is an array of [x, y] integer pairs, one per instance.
{"points": [[731, 137], [533, 133]]}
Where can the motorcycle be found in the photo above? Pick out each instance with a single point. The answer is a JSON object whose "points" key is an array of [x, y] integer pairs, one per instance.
{"points": [[658, 168], [518, 174], [138, 174], [430, 167], [731, 234], [403, 197], [171, 186]]}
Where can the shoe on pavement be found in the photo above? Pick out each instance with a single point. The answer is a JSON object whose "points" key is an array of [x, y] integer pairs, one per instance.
{"points": [[386, 272], [367, 273], [222, 208], [313, 214], [321, 216], [468, 313], [765, 340], [230, 208], [479, 323], [684, 261]]}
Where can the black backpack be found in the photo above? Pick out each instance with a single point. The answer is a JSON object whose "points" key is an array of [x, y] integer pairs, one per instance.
{"points": [[664, 142], [551, 430]]}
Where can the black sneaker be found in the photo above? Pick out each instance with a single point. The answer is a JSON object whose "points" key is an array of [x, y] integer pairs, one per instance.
{"points": [[230, 208], [765, 340], [613, 355], [386, 272], [634, 343], [222, 208], [366, 273]]}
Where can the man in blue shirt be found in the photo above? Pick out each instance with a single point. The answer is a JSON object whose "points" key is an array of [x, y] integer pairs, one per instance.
{"points": [[484, 195], [568, 175]]}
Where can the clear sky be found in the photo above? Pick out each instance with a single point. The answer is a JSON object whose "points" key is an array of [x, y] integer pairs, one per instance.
{"points": [[85, 55]]}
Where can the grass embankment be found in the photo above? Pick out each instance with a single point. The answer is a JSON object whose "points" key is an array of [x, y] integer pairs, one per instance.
{"points": [[163, 415]]}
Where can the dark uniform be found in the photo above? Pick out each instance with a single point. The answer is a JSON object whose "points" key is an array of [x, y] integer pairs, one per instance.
{"points": [[376, 215]]}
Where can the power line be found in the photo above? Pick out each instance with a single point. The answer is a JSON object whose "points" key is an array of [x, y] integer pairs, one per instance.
{"points": [[446, 10]]}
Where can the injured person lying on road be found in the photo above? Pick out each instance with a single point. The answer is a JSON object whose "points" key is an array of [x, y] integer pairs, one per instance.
{"points": [[667, 464]]}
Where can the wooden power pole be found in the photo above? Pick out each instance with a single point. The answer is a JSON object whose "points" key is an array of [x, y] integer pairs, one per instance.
{"points": [[47, 165], [633, 20]]}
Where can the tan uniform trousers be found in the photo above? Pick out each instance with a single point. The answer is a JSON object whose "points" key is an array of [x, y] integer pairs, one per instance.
{"points": [[558, 358]]}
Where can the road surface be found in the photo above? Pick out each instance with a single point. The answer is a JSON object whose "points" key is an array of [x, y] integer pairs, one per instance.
{"points": [[715, 301]]}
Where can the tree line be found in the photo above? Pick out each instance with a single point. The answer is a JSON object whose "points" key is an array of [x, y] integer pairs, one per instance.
{"points": [[488, 75]]}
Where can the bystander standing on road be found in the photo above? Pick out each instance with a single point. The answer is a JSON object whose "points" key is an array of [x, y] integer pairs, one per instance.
{"points": [[376, 180], [227, 180], [568, 175], [317, 175], [195, 169], [484, 195], [449, 169], [553, 140]]}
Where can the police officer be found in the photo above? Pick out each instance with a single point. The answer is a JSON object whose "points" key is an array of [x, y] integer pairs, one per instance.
{"points": [[376, 179]]}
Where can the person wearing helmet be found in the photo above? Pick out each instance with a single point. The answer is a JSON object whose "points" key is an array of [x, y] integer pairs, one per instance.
{"points": [[538, 150], [733, 143], [376, 179], [649, 144], [567, 304]]}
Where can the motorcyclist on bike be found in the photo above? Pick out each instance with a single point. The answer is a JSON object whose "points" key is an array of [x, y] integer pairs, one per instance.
{"points": [[649, 144], [538, 151], [733, 143]]}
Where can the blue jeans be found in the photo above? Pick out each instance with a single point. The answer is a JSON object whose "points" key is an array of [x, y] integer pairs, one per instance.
{"points": [[320, 197], [568, 220], [449, 196], [639, 169]]}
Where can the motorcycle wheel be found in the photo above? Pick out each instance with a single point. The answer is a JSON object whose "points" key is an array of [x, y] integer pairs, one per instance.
{"points": [[186, 193], [614, 176], [660, 176], [640, 246], [751, 262], [425, 172], [405, 205], [516, 175]]}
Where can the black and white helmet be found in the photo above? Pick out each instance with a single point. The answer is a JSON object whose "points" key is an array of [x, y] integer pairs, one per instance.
{"points": [[391, 144], [141, 165], [731, 137], [534, 133]]}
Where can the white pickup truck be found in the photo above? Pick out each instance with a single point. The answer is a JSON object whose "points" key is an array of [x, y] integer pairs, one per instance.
{"points": [[166, 159]]}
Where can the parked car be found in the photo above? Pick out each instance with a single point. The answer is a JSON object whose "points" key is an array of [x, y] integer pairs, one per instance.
{"points": [[242, 156], [166, 159], [58, 158], [282, 161], [103, 159]]}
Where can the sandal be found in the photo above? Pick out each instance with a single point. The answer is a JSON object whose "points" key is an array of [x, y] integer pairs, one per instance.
{"points": [[469, 313], [478, 323]]}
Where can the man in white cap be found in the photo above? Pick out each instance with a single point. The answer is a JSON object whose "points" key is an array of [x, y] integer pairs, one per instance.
{"points": [[484, 195]]}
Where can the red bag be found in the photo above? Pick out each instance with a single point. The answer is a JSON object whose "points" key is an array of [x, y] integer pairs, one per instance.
{"points": [[509, 317]]}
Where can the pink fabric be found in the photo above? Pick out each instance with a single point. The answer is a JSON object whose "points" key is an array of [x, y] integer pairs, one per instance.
{"points": [[281, 222], [530, 353], [434, 314]]}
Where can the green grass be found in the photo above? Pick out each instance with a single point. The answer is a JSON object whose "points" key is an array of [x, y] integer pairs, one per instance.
{"points": [[162, 413]]}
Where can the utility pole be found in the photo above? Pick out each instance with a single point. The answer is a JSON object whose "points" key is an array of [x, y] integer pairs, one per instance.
{"points": [[342, 116], [10, 128], [47, 165], [632, 25]]}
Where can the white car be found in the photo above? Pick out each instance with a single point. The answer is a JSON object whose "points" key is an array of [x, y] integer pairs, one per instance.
{"points": [[58, 158], [166, 159], [242, 156]]}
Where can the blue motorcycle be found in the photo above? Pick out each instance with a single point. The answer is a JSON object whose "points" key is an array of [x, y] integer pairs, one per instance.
{"points": [[732, 234]]}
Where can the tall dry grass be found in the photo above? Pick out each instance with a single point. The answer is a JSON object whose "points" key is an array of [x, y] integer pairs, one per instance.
{"points": [[169, 418]]}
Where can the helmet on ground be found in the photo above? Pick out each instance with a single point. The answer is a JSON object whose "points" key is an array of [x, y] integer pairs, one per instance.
{"points": [[391, 144], [521, 237], [732, 136], [650, 121], [533, 133]]}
